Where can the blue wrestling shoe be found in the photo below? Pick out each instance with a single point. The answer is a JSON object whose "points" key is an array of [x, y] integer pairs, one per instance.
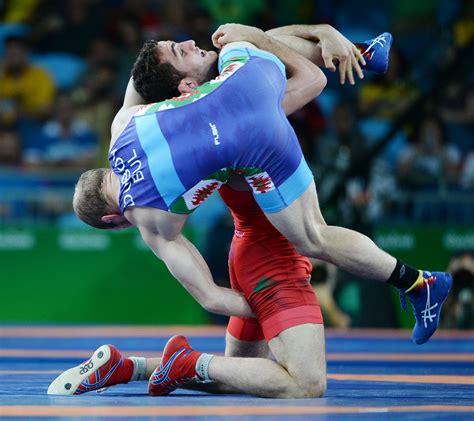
{"points": [[427, 300], [376, 52]]}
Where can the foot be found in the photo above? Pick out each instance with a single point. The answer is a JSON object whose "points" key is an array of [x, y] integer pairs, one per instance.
{"points": [[105, 368], [376, 52], [177, 367], [427, 300]]}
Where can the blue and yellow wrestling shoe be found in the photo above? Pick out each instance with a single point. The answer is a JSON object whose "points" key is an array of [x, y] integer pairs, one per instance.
{"points": [[427, 297], [376, 52]]}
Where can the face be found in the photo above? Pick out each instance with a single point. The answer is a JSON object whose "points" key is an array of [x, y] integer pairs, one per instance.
{"points": [[189, 59]]}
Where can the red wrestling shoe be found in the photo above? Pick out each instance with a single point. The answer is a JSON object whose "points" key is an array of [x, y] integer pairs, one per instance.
{"points": [[177, 367], [105, 368]]}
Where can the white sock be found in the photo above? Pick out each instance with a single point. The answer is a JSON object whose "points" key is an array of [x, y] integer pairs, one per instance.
{"points": [[202, 367], [139, 369]]}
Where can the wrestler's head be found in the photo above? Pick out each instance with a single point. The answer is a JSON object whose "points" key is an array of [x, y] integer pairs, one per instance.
{"points": [[94, 200], [165, 69]]}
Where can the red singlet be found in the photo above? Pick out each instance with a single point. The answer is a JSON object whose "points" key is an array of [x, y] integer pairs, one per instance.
{"points": [[267, 269]]}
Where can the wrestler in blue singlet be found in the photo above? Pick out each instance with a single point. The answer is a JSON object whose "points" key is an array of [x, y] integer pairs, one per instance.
{"points": [[174, 154]]}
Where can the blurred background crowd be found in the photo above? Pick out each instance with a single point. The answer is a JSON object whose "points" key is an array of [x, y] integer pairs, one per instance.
{"points": [[394, 149]]}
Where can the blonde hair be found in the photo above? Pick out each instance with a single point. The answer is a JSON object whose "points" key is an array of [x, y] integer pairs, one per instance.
{"points": [[89, 202]]}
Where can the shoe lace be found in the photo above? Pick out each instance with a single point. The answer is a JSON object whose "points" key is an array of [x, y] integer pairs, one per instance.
{"points": [[380, 40], [426, 313], [180, 382]]}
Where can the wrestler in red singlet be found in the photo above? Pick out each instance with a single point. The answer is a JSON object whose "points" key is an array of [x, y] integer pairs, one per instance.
{"points": [[267, 269]]}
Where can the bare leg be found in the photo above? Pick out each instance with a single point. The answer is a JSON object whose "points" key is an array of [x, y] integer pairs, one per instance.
{"points": [[233, 348], [151, 364], [303, 225], [299, 373], [300, 370], [246, 349]]}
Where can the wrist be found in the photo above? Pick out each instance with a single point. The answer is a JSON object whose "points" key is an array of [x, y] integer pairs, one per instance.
{"points": [[322, 31], [259, 38]]}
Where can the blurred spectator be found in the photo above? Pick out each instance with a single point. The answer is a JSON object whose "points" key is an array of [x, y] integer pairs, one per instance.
{"points": [[95, 95], [458, 104], [176, 18], [370, 187], [340, 149], [145, 15], [458, 310], [64, 142], [97, 104], [414, 24], [128, 41], [430, 161], [201, 29], [10, 146], [342, 144], [390, 94], [457, 111], [100, 51], [464, 27], [323, 280], [309, 123], [20, 11], [409, 15], [68, 26], [25, 90], [467, 172], [368, 303]]}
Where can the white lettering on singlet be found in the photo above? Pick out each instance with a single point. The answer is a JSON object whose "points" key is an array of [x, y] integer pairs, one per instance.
{"points": [[215, 134], [131, 173]]}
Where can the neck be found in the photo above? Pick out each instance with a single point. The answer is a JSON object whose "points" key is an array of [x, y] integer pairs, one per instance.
{"points": [[112, 189]]}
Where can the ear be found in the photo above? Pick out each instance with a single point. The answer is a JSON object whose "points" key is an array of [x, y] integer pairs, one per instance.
{"points": [[187, 85], [113, 218]]}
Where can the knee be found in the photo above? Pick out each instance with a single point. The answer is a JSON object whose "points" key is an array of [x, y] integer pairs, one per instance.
{"points": [[313, 388], [305, 389]]}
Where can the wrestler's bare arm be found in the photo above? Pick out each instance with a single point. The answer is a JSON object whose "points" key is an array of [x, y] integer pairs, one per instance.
{"points": [[310, 49], [132, 102], [307, 40], [132, 97], [323, 45], [161, 231], [305, 79]]}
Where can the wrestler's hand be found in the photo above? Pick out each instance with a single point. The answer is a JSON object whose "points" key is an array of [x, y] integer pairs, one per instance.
{"points": [[336, 48], [232, 32]]}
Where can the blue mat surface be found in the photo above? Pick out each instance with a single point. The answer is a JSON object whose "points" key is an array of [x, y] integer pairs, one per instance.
{"points": [[370, 376]]}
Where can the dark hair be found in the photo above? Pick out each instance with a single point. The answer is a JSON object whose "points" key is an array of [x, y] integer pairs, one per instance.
{"points": [[155, 81], [89, 201]]}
